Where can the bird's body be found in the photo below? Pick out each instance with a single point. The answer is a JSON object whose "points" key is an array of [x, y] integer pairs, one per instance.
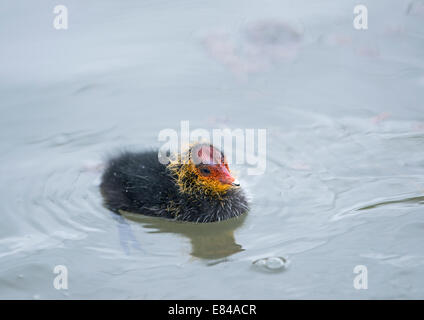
{"points": [[139, 183]]}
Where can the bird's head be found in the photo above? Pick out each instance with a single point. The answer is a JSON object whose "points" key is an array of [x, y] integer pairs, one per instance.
{"points": [[203, 168]]}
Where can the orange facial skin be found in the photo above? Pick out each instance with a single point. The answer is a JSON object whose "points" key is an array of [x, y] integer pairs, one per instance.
{"points": [[219, 173], [205, 169]]}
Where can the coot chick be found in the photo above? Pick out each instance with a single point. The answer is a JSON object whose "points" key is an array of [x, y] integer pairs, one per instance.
{"points": [[195, 186]]}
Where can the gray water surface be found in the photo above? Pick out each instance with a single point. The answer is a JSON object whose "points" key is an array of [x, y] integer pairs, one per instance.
{"points": [[343, 110]]}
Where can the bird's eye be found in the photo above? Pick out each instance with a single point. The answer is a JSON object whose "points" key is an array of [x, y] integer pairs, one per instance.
{"points": [[205, 171]]}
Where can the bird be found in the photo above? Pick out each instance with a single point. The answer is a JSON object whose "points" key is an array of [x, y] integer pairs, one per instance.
{"points": [[194, 186]]}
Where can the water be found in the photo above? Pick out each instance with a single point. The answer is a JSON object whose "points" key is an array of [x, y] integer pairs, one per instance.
{"points": [[343, 110]]}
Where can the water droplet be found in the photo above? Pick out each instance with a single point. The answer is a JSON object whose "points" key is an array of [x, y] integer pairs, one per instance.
{"points": [[271, 264]]}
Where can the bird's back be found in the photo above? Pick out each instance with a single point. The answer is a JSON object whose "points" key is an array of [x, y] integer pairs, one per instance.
{"points": [[137, 182]]}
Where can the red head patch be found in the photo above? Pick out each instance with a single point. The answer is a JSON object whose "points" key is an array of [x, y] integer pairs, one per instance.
{"points": [[211, 164]]}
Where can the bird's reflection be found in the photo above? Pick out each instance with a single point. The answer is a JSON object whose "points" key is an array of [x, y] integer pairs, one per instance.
{"points": [[208, 240]]}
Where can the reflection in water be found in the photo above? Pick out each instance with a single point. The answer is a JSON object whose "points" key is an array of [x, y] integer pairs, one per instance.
{"points": [[127, 239], [208, 240]]}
